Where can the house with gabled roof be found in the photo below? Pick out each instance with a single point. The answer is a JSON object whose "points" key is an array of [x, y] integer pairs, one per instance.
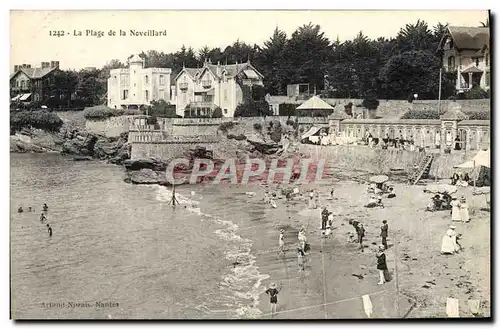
{"points": [[466, 52], [30, 83], [203, 89]]}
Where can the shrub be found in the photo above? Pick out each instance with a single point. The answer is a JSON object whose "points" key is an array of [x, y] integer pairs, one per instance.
{"points": [[101, 112], [251, 108], [231, 136], [37, 119], [478, 115], [162, 109], [217, 113], [370, 103], [225, 126], [287, 109], [290, 122], [152, 120], [476, 93], [422, 114], [258, 93], [257, 126]]}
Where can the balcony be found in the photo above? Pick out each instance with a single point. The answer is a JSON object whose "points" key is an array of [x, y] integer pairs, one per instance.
{"points": [[202, 104], [183, 85], [206, 83]]}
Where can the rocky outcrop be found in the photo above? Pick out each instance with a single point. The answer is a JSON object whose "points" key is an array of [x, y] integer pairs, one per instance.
{"points": [[145, 171], [71, 140]]}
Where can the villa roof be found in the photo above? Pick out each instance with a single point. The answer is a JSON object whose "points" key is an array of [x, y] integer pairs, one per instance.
{"points": [[472, 69], [315, 103], [34, 72], [474, 123], [466, 37], [231, 70]]}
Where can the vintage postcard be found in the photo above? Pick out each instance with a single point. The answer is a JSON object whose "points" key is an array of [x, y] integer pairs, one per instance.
{"points": [[250, 165]]}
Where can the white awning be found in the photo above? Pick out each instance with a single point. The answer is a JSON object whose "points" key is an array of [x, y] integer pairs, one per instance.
{"points": [[25, 97], [250, 74], [16, 98]]}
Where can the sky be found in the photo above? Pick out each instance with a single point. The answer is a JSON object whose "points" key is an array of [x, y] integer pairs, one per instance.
{"points": [[31, 41]]}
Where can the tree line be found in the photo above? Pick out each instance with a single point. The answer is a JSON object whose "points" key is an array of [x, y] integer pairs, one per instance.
{"points": [[383, 68]]}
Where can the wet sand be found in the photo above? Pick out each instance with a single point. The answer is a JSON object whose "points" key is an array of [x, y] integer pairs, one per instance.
{"points": [[328, 289]]}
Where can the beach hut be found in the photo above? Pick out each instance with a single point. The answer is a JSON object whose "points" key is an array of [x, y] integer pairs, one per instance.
{"points": [[314, 107]]}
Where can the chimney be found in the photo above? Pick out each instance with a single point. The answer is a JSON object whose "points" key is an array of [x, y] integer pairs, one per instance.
{"points": [[219, 71], [28, 66], [56, 64], [16, 68]]}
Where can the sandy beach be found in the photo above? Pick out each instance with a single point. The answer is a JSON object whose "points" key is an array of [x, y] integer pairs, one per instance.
{"points": [[337, 274]]}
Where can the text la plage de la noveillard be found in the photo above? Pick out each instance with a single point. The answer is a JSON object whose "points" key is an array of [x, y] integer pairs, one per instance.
{"points": [[111, 33]]}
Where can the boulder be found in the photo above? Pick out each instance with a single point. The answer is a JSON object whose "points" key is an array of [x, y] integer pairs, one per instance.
{"points": [[121, 155], [146, 176], [151, 163]]}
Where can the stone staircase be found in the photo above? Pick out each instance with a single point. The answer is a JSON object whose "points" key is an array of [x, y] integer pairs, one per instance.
{"points": [[422, 170]]}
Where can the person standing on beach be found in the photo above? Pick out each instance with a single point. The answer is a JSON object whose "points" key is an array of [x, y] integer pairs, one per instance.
{"points": [[300, 259], [49, 229], [384, 233], [324, 219], [381, 264], [360, 230], [302, 240], [273, 292], [281, 243]]}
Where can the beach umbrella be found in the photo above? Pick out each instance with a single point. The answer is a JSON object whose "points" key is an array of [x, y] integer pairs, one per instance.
{"points": [[379, 179], [440, 188]]}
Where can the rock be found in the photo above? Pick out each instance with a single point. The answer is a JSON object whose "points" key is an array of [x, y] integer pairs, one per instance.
{"points": [[152, 163], [146, 176], [82, 158], [78, 146]]}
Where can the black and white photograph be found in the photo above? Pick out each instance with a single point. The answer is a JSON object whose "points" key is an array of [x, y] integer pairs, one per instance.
{"points": [[250, 164]]}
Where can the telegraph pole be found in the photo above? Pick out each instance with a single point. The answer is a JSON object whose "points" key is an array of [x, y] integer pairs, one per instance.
{"points": [[439, 94]]}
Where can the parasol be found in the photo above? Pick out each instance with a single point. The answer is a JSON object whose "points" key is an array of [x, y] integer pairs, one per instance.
{"points": [[440, 188], [379, 179]]}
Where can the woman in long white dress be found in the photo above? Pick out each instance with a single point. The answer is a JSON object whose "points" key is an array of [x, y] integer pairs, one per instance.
{"points": [[464, 210], [302, 239], [455, 209], [449, 243]]}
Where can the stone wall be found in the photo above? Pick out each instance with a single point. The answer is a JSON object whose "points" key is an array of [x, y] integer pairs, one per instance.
{"points": [[167, 151], [110, 127], [379, 161]]}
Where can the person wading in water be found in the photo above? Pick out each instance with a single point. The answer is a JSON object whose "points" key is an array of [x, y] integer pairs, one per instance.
{"points": [[49, 229]]}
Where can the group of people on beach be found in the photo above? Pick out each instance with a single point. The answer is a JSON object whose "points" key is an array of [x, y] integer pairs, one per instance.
{"points": [[43, 217], [327, 223]]}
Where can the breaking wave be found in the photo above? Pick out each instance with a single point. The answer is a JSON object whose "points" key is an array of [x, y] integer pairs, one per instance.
{"points": [[242, 286]]}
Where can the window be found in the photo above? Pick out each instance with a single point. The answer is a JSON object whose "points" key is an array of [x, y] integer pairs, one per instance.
{"points": [[162, 79], [146, 95], [146, 79], [451, 63], [125, 94], [162, 94], [17, 83], [477, 62], [487, 79], [225, 111], [22, 84], [115, 77]]}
